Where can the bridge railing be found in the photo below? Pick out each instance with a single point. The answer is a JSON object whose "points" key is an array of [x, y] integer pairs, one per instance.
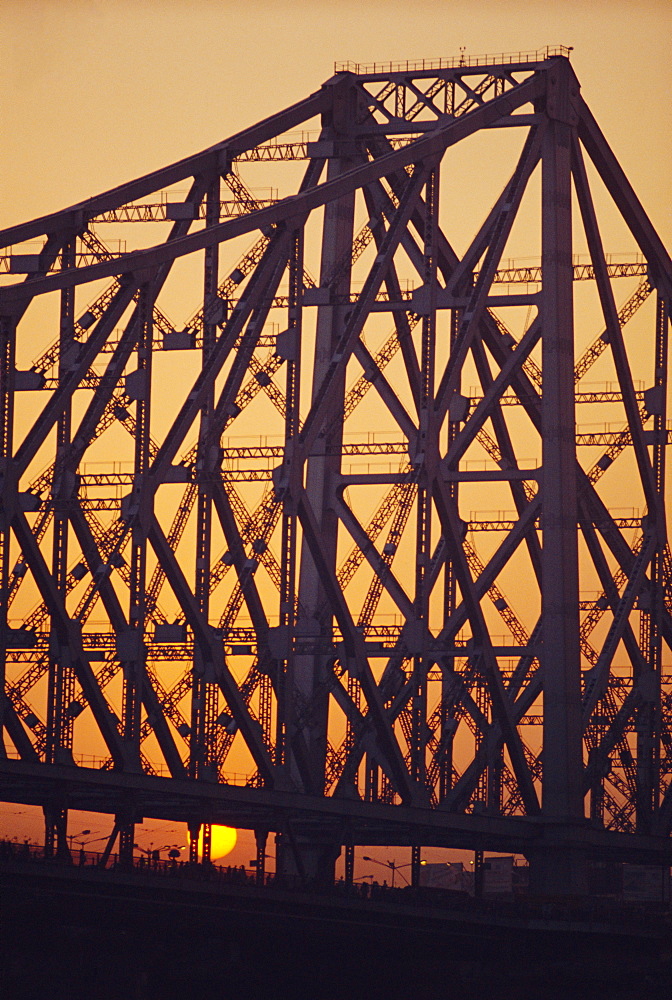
{"points": [[591, 910], [453, 62]]}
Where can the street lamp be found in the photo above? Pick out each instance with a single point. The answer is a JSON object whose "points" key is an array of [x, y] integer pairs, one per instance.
{"points": [[392, 865], [152, 853], [74, 836]]}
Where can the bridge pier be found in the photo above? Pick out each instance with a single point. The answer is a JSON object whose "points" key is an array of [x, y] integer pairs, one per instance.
{"points": [[306, 857], [560, 871]]}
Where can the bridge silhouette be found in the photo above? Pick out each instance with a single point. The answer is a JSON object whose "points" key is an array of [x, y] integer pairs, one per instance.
{"points": [[248, 541]]}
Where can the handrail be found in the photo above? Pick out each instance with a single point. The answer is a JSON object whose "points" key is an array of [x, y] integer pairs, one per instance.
{"points": [[453, 62]]}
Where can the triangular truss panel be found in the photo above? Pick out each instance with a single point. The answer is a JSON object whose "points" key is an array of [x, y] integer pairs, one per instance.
{"points": [[297, 497]]}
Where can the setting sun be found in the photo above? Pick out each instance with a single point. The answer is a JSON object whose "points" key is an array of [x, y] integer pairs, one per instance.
{"points": [[222, 843]]}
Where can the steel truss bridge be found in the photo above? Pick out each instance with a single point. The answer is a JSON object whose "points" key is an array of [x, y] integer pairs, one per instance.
{"points": [[249, 541]]}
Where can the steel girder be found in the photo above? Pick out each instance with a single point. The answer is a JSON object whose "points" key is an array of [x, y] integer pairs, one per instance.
{"points": [[333, 632]]}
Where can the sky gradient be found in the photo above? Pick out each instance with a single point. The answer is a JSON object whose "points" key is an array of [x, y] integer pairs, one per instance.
{"points": [[95, 93]]}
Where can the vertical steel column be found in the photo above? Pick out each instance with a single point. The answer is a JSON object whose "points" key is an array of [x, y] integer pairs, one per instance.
{"points": [[265, 705], [447, 721], [400, 100], [261, 837], [194, 835], [562, 799], [427, 450], [61, 680], [494, 781], [349, 863], [290, 349], [648, 720], [596, 806], [371, 779], [205, 698], [134, 650], [355, 694], [316, 617], [479, 874], [449, 98], [480, 796], [7, 348]]}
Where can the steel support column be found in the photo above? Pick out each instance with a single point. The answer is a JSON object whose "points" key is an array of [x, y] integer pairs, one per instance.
{"points": [[648, 721], [132, 649], [428, 448], [205, 699], [7, 354], [448, 724], [61, 680], [315, 615], [290, 350], [562, 797]]}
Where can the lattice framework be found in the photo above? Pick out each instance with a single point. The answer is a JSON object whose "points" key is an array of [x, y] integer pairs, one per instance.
{"points": [[330, 628]]}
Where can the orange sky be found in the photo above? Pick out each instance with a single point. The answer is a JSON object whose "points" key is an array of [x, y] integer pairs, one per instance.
{"points": [[95, 92]]}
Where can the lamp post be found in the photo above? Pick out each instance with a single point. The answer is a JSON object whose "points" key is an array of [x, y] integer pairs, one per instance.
{"points": [[81, 844], [74, 836], [153, 853], [392, 865]]}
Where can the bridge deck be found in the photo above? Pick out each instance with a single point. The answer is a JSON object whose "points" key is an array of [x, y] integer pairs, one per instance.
{"points": [[178, 929]]}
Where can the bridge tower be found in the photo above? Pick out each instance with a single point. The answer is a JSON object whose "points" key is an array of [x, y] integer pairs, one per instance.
{"points": [[303, 529]]}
